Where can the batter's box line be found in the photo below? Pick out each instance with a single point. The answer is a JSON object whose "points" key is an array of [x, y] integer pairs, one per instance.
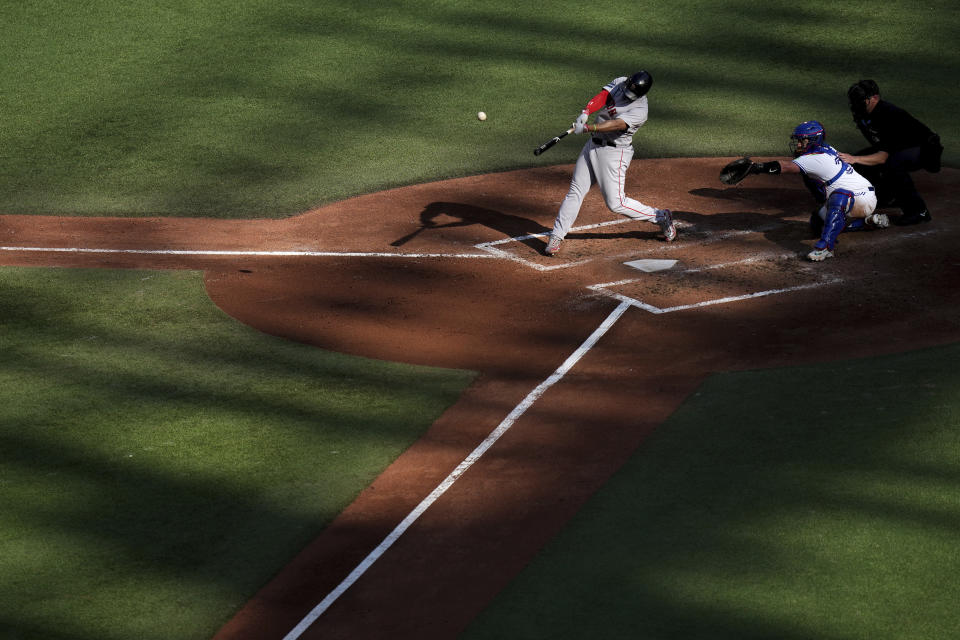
{"points": [[500, 253], [702, 238], [604, 288], [640, 304]]}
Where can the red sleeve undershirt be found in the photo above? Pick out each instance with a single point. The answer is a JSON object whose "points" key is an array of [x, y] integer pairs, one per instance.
{"points": [[597, 102]]}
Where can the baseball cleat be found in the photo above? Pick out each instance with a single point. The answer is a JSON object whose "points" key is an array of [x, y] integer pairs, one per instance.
{"points": [[553, 245], [913, 218], [878, 221], [819, 255], [665, 220]]}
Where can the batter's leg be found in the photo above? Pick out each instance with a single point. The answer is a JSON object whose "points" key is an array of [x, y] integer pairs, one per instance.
{"points": [[610, 165], [583, 179]]}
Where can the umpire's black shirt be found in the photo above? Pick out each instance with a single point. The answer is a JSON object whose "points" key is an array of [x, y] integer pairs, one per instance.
{"points": [[890, 128]]}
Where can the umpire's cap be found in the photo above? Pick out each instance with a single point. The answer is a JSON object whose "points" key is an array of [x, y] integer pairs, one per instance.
{"points": [[858, 93]]}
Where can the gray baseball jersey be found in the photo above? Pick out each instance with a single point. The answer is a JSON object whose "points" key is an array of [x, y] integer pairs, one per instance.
{"points": [[619, 106]]}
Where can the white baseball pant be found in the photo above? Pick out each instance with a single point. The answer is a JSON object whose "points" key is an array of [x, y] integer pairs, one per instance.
{"points": [[606, 167]]}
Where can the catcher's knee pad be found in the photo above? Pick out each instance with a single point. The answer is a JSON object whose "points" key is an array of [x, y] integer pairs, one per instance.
{"points": [[840, 201]]}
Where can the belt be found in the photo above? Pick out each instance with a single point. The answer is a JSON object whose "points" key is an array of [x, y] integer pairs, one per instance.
{"points": [[600, 142]]}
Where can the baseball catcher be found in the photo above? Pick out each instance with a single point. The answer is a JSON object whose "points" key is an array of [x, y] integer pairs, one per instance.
{"points": [[847, 199]]}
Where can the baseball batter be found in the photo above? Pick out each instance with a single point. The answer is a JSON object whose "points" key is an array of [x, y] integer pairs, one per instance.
{"points": [[621, 109], [849, 198]]}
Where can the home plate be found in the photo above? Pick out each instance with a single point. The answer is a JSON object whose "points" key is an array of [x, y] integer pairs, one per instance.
{"points": [[649, 266]]}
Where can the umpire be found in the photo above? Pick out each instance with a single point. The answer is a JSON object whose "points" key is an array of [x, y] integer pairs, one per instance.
{"points": [[899, 144]]}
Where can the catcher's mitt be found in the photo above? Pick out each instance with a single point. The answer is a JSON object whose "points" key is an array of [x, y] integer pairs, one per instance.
{"points": [[737, 171]]}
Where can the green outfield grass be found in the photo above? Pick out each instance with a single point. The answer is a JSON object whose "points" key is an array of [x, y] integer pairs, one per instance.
{"points": [[159, 462], [250, 108], [828, 511]]}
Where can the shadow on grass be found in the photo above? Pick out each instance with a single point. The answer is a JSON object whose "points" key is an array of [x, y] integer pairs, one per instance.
{"points": [[283, 108], [145, 465], [827, 512]]}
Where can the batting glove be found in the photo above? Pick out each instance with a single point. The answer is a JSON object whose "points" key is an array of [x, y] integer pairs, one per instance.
{"points": [[581, 122]]}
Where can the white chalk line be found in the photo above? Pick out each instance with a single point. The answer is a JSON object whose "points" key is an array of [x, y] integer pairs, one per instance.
{"points": [[604, 288], [489, 252], [626, 302], [547, 233], [448, 482], [748, 296], [707, 303], [500, 253], [722, 265], [700, 238], [291, 253]]}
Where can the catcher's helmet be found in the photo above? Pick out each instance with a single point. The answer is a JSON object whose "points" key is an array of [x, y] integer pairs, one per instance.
{"points": [[638, 85], [806, 136]]}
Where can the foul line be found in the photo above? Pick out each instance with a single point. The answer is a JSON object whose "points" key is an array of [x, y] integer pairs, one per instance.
{"points": [[488, 248], [197, 252], [475, 455]]}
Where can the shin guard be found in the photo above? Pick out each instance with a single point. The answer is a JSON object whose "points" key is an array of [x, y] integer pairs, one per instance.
{"points": [[838, 204]]}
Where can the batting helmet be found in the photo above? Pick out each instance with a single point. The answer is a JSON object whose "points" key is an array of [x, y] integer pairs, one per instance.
{"points": [[806, 136], [638, 85]]}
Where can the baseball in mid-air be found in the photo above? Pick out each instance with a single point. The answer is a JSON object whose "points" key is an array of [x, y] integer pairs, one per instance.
{"points": [[481, 115]]}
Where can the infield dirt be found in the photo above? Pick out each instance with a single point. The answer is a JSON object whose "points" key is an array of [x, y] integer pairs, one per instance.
{"points": [[411, 275]]}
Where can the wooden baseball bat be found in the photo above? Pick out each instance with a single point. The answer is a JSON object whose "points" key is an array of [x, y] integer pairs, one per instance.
{"points": [[549, 143]]}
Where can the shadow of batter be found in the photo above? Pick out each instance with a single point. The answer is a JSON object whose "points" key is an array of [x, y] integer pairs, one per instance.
{"points": [[464, 215]]}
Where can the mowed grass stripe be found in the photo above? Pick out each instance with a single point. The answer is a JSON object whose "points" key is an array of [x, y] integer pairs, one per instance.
{"points": [[810, 502], [160, 462]]}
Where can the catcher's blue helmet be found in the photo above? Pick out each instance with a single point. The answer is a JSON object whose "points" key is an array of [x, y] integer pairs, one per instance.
{"points": [[638, 84], [805, 136]]}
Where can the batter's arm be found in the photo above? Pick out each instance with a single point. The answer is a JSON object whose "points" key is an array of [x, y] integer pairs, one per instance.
{"points": [[597, 102], [608, 126]]}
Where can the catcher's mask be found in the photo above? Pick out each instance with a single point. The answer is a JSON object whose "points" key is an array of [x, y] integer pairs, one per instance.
{"points": [[638, 85], [805, 137]]}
